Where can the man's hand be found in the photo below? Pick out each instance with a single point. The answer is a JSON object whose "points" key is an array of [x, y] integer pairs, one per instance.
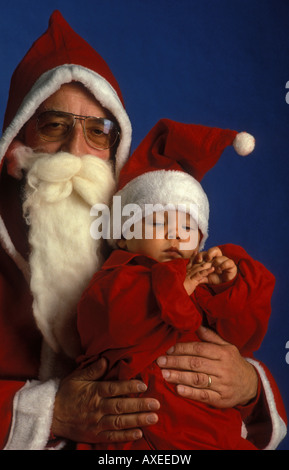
{"points": [[211, 371], [89, 410]]}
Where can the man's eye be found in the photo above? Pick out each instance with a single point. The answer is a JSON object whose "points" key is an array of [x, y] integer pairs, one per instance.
{"points": [[54, 126], [96, 131]]}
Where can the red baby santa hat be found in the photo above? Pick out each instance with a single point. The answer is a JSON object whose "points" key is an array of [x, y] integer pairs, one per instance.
{"points": [[167, 167], [61, 56]]}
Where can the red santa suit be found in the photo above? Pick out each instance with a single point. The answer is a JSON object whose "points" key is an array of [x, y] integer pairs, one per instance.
{"points": [[29, 369], [135, 309]]}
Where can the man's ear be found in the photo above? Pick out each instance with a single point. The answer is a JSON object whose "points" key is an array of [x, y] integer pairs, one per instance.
{"points": [[17, 157], [122, 244]]}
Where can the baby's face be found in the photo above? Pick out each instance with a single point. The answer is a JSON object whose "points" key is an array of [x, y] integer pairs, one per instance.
{"points": [[164, 236]]}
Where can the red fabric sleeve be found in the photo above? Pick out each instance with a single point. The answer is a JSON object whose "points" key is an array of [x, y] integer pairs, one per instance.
{"points": [[20, 340], [176, 306], [8, 389], [112, 307], [121, 300], [265, 417]]}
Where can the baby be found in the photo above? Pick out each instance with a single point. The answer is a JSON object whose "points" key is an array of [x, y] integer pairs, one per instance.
{"points": [[157, 288]]}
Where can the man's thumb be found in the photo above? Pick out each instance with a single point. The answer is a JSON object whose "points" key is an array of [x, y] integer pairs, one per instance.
{"points": [[92, 372], [210, 336]]}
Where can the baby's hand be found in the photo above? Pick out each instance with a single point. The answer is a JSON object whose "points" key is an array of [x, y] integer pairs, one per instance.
{"points": [[225, 268], [197, 274]]}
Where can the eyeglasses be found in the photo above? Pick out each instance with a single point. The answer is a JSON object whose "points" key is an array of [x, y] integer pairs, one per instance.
{"points": [[99, 133]]}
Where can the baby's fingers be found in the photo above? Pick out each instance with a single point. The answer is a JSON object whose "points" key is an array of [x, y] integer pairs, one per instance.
{"points": [[199, 258], [222, 264], [201, 274], [226, 269], [213, 253], [195, 268]]}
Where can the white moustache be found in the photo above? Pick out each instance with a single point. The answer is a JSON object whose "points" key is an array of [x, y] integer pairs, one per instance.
{"points": [[52, 178]]}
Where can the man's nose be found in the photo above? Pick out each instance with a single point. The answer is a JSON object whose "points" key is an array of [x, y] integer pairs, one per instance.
{"points": [[75, 142]]}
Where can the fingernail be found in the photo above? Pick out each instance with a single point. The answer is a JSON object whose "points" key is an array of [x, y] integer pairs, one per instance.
{"points": [[151, 419], [161, 361], [181, 390], [141, 387], [166, 374], [137, 434], [153, 405], [171, 350]]}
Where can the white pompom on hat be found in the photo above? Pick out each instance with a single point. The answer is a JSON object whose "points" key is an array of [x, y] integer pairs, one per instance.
{"points": [[168, 165], [244, 143]]}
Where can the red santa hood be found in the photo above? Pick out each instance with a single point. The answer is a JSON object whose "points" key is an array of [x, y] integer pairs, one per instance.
{"points": [[61, 56]]}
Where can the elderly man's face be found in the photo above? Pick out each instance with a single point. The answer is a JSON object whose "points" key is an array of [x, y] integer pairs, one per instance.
{"points": [[70, 98]]}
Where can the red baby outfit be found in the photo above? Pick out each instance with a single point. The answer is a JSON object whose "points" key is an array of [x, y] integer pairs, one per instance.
{"points": [[135, 309]]}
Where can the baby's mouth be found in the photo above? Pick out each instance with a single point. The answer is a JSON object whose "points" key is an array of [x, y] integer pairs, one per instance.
{"points": [[174, 252]]}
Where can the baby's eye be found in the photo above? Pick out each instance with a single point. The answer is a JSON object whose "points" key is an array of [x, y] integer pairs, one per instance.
{"points": [[187, 228]]}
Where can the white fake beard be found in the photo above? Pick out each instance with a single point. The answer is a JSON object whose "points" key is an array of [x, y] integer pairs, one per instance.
{"points": [[60, 191]]}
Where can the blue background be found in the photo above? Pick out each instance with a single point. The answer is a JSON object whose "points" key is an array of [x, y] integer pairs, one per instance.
{"points": [[221, 63]]}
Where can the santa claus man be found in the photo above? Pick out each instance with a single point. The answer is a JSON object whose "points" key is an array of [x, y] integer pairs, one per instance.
{"points": [[66, 137]]}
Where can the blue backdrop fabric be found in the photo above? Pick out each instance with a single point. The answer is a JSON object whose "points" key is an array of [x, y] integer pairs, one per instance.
{"points": [[221, 63]]}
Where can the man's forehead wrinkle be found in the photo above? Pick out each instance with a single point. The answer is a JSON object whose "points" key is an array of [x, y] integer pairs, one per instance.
{"points": [[45, 107]]}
